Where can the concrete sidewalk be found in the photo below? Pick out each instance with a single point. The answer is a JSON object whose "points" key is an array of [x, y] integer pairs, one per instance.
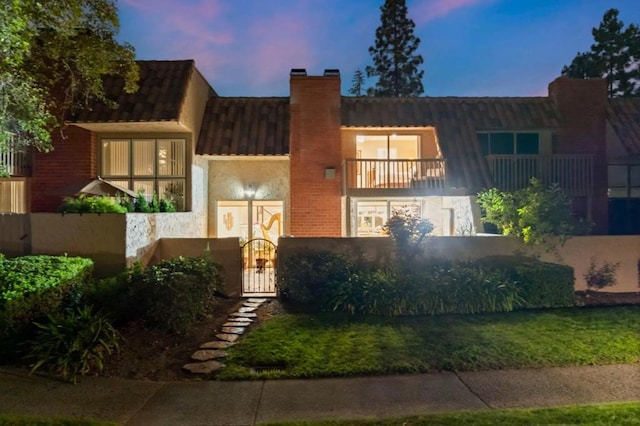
{"points": [[133, 402]]}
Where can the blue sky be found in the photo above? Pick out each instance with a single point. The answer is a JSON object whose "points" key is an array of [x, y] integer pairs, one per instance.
{"points": [[470, 47]]}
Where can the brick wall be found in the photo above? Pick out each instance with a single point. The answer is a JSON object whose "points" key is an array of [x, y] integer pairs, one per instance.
{"points": [[72, 161], [582, 104], [315, 208]]}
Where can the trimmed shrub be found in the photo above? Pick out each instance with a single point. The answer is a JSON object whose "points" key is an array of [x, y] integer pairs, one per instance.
{"points": [[175, 293], [91, 204], [331, 282], [32, 287], [540, 284], [115, 295], [169, 296], [307, 279]]}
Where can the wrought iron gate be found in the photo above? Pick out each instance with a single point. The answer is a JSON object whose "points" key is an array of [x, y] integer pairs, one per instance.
{"points": [[259, 268]]}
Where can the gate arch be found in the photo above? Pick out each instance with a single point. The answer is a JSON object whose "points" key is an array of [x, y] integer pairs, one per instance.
{"points": [[259, 267]]}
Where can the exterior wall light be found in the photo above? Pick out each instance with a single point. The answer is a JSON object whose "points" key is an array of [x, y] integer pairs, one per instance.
{"points": [[249, 191]]}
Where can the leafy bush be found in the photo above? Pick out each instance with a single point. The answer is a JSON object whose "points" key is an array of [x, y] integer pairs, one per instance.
{"points": [[115, 295], [541, 284], [168, 296], [600, 277], [535, 214], [175, 293], [307, 279], [33, 286], [121, 204], [91, 204], [73, 343], [433, 286], [408, 230]]}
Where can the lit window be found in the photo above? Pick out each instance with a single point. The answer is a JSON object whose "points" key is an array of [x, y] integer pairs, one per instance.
{"points": [[153, 166]]}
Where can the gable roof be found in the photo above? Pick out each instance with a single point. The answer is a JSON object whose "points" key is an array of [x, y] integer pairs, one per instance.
{"points": [[161, 93], [457, 122], [624, 116], [245, 126]]}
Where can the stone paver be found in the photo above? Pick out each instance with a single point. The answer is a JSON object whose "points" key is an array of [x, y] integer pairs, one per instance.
{"points": [[216, 344], [245, 314], [232, 329], [208, 354], [205, 367]]}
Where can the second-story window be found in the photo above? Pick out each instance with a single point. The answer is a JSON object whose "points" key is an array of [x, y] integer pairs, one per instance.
{"points": [[509, 143], [387, 147], [153, 166]]}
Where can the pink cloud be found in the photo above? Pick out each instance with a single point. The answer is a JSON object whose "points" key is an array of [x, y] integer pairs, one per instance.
{"points": [[429, 10]]}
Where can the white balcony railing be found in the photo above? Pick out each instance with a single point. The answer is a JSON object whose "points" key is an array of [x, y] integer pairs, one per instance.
{"points": [[15, 163], [574, 173], [373, 173]]}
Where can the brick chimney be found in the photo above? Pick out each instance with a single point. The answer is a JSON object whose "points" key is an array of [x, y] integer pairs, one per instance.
{"points": [[582, 104], [315, 155]]}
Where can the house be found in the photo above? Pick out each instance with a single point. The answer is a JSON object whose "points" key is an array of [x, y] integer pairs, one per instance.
{"points": [[316, 163]]}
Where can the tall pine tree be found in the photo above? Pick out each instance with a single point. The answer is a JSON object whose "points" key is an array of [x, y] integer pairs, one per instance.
{"points": [[615, 56], [395, 62], [357, 83]]}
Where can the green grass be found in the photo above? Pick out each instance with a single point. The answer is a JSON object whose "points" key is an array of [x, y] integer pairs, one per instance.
{"points": [[18, 420], [297, 346], [601, 414]]}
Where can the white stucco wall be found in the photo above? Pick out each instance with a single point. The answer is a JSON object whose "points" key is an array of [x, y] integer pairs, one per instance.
{"points": [[229, 176], [450, 216]]}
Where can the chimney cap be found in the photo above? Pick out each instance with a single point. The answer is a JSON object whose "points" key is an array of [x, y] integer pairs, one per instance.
{"points": [[298, 71], [331, 72]]}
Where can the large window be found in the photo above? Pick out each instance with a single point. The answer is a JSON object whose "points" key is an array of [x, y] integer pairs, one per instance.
{"points": [[153, 166], [250, 219], [509, 143], [371, 216], [624, 181], [386, 160]]}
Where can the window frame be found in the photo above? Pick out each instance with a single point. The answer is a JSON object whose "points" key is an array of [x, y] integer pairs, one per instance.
{"points": [[517, 139], [154, 180]]}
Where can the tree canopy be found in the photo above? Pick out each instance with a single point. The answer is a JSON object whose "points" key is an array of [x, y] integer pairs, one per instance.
{"points": [[53, 57], [357, 83], [395, 62], [615, 56]]}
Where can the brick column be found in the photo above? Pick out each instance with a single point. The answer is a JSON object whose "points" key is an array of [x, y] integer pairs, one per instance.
{"points": [[315, 196], [582, 104], [73, 160]]}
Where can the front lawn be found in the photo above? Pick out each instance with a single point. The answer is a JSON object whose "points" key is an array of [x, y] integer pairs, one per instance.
{"points": [[297, 346], [600, 414]]}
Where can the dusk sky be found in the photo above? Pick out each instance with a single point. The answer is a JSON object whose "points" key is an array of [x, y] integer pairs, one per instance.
{"points": [[470, 47]]}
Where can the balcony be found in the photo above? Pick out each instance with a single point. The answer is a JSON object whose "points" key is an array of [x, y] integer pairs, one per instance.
{"points": [[398, 178], [15, 163], [394, 177], [574, 173]]}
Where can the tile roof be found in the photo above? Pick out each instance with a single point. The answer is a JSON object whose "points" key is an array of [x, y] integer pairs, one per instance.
{"points": [[624, 116], [163, 86], [457, 121], [245, 126]]}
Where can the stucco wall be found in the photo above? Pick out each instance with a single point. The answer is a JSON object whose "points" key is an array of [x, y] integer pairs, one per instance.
{"points": [[99, 237], [577, 252], [228, 178], [15, 235]]}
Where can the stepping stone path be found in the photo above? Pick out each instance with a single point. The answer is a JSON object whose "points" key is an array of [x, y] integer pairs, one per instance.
{"points": [[232, 329]]}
